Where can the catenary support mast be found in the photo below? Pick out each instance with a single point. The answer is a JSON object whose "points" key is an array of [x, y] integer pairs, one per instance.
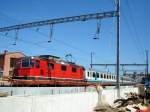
{"points": [[118, 48]]}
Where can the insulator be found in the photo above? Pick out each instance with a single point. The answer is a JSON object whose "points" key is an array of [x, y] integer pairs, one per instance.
{"points": [[50, 33], [16, 36], [98, 28]]}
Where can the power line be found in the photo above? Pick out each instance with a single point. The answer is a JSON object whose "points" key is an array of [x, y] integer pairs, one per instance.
{"points": [[129, 28], [134, 27]]}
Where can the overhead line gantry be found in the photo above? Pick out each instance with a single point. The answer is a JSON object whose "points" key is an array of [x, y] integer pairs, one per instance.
{"points": [[61, 20]]}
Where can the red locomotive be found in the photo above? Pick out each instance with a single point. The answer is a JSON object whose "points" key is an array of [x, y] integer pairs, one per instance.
{"points": [[47, 67]]}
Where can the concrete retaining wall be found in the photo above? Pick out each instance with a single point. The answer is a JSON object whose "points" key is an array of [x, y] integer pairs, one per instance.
{"points": [[75, 102]]}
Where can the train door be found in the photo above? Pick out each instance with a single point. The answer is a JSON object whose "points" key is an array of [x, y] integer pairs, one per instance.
{"points": [[51, 71]]}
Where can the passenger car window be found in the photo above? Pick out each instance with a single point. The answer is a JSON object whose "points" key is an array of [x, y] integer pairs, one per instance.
{"points": [[93, 74], [88, 74], [97, 75], [101, 75]]}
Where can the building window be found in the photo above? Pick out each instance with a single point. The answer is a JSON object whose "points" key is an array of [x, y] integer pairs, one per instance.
{"points": [[37, 64], [74, 69], [63, 68], [50, 65]]}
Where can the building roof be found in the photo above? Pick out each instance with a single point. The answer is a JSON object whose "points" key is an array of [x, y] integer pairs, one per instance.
{"points": [[6, 52]]}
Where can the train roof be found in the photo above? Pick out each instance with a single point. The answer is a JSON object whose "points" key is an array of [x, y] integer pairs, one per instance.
{"points": [[91, 69], [52, 58], [49, 57]]}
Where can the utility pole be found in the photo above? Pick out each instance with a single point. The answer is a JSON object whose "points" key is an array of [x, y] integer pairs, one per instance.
{"points": [[147, 65], [91, 60], [118, 48]]}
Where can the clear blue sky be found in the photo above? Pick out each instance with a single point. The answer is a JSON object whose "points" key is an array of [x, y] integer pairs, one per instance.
{"points": [[76, 38]]}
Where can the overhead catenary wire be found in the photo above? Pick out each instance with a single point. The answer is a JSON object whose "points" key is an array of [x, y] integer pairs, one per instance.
{"points": [[137, 37], [113, 2], [132, 34]]}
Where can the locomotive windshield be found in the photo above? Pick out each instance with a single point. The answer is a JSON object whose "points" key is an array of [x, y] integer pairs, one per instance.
{"points": [[27, 62]]}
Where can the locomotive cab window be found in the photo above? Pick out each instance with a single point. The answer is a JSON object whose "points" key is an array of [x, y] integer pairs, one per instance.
{"points": [[31, 63], [50, 65], [27, 63], [63, 68], [74, 69]]}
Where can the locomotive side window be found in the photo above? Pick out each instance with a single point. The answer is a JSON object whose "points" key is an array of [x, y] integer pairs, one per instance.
{"points": [[51, 65], [63, 68], [37, 64], [74, 69]]}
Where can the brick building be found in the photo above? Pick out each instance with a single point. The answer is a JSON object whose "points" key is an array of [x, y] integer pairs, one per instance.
{"points": [[7, 60]]}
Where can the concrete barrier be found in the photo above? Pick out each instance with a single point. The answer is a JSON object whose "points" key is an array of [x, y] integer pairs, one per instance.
{"points": [[75, 102]]}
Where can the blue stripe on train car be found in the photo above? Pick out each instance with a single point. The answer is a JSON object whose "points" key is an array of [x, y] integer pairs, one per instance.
{"points": [[92, 80]]}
